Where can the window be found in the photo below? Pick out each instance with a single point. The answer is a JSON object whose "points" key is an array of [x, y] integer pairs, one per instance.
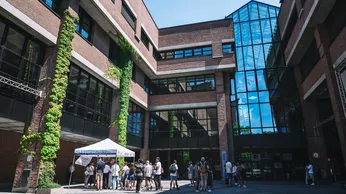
{"points": [[134, 72], [184, 53], [128, 15], [84, 25], [183, 84], [53, 5], [145, 39], [135, 121], [114, 52], [21, 57], [87, 97], [227, 48], [199, 125]]}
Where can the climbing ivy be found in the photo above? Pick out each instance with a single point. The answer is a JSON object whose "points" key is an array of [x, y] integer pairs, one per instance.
{"points": [[171, 124], [124, 74], [27, 140], [51, 136]]}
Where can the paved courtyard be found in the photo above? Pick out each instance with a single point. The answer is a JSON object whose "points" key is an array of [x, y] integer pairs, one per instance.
{"points": [[253, 188]]}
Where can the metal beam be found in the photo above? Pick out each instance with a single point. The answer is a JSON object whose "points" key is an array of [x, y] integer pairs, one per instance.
{"points": [[20, 86]]}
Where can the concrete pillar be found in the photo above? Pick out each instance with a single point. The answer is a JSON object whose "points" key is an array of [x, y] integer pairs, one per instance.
{"points": [[144, 153], [314, 135], [323, 44], [221, 114], [229, 117], [37, 125]]}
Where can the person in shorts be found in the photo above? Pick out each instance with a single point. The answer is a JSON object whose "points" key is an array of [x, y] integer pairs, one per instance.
{"points": [[196, 177], [174, 175], [190, 170], [100, 166]]}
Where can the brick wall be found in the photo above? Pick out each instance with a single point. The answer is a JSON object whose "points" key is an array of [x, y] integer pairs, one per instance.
{"points": [[64, 158], [182, 98], [143, 17], [194, 33], [35, 10]]}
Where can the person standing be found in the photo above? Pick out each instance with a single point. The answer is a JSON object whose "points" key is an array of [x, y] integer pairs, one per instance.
{"points": [[229, 172], [125, 176], [210, 178], [148, 171], [106, 172], [203, 174], [174, 175], [71, 169], [91, 173], [157, 174], [190, 173], [139, 174], [234, 174], [196, 176], [310, 174], [100, 166], [115, 174], [86, 175], [243, 175]]}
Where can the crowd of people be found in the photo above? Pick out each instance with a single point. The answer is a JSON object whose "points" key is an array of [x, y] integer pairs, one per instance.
{"points": [[109, 175]]}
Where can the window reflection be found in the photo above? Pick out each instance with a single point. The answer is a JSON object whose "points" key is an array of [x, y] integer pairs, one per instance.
{"points": [[135, 121], [183, 84]]}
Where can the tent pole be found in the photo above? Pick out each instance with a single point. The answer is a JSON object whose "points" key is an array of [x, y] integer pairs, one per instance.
{"points": [[69, 182]]}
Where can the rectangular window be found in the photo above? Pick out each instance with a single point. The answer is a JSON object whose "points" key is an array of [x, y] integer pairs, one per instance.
{"points": [[227, 48], [128, 15], [87, 97], [145, 39], [183, 84], [114, 52], [135, 121], [85, 24], [184, 53], [53, 5]]}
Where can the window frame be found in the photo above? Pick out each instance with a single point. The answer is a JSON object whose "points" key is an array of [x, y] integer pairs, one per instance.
{"points": [[226, 46], [126, 8], [201, 50], [145, 39], [83, 15]]}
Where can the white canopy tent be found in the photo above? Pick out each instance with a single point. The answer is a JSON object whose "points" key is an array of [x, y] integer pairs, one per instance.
{"points": [[104, 148]]}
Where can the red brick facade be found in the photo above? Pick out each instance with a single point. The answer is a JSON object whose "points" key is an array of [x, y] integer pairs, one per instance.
{"points": [[96, 53], [311, 26]]}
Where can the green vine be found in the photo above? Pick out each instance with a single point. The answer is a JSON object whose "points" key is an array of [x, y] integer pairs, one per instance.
{"points": [[51, 136], [99, 105], [171, 124], [28, 63], [124, 73], [27, 140]]}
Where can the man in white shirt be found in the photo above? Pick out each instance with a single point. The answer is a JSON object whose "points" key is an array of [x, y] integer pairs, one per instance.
{"points": [[157, 174], [106, 172], [310, 174], [229, 172], [115, 174]]}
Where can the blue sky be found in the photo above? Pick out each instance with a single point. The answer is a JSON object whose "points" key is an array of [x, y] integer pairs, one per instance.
{"points": [[167, 13]]}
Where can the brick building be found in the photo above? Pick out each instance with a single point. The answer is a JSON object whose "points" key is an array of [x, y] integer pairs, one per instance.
{"points": [[313, 39], [219, 89]]}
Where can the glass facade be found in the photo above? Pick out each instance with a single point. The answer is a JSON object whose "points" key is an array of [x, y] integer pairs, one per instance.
{"points": [[20, 60], [255, 25], [193, 128]]}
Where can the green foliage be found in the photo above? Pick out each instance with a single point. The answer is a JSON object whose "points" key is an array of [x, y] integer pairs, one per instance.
{"points": [[28, 63], [47, 174], [51, 136], [124, 73], [99, 104], [27, 140], [171, 124]]}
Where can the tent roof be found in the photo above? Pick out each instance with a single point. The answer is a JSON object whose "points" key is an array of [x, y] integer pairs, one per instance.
{"points": [[105, 148]]}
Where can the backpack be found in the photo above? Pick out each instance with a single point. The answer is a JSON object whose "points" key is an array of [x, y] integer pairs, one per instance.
{"points": [[203, 168], [138, 170], [173, 168]]}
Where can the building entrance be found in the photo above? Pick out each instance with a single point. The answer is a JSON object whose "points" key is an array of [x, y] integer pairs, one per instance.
{"points": [[183, 158]]}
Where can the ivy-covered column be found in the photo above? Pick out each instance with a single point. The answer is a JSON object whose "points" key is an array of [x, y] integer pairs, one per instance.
{"points": [[51, 135], [41, 138], [123, 73]]}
